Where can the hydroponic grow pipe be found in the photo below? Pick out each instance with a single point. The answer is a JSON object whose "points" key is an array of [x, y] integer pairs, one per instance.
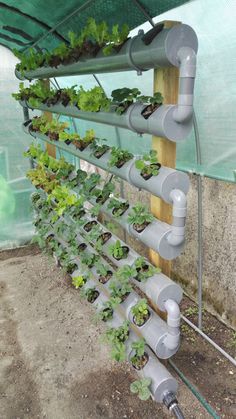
{"points": [[154, 49], [163, 385], [163, 238], [160, 185], [160, 123], [159, 288], [161, 337]]}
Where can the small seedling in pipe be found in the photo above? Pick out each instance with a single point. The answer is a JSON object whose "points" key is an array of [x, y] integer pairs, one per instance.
{"points": [[91, 294], [119, 157], [104, 272], [125, 273], [140, 358], [117, 337], [144, 270], [148, 165], [78, 281], [104, 193], [140, 217], [140, 312], [118, 208], [118, 251], [98, 148], [141, 388], [120, 288]]}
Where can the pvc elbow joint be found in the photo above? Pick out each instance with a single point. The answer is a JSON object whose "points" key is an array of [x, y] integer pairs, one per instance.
{"points": [[176, 236], [184, 109], [173, 313], [173, 321]]}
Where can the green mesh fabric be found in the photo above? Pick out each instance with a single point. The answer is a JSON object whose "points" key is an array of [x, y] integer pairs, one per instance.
{"points": [[24, 22]]}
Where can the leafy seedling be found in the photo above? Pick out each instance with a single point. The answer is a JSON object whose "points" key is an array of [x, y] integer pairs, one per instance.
{"points": [[140, 312], [141, 388]]}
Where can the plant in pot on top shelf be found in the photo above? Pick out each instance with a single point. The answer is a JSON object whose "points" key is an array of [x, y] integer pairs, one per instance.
{"points": [[117, 337], [141, 388], [144, 269], [118, 207], [139, 357], [140, 312], [148, 165], [119, 157], [140, 217], [118, 251]]}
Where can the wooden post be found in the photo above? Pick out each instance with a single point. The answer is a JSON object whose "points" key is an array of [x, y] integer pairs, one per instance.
{"points": [[51, 149], [166, 82]]}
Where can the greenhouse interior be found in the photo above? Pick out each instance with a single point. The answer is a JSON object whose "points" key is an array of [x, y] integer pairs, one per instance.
{"points": [[117, 209]]}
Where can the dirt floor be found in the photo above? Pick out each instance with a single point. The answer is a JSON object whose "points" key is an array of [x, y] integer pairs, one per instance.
{"points": [[53, 365]]}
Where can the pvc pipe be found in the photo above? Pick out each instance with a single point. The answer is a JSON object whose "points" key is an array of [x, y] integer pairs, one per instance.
{"points": [[160, 185], [155, 330], [160, 123], [173, 321], [187, 59], [177, 235], [136, 54]]}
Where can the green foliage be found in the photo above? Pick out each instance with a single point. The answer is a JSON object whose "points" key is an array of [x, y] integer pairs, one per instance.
{"points": [[125, 273], [117, 250], [148, 164], [141, 388], [145, 270], [119, 156], [118, 206], [93, 100], [125, 95], [140, 215], [116, 337], [90, 294], [120, 288], [140, 312], [78, 281], [139, 347]]}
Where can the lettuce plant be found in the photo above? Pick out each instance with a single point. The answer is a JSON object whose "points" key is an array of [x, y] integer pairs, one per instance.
{"points": [[141, 388]]}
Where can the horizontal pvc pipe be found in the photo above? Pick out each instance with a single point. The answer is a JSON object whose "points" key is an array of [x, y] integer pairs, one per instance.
{"points": [[135, 54], [160, 123], [155, 331], [160, 185]]}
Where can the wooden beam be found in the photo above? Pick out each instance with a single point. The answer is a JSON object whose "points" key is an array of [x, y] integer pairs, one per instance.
{"points": [[166, 82], [51, 149]]}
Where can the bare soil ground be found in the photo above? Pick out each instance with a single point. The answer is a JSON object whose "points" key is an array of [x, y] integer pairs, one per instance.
{"points": [[53, 365]]}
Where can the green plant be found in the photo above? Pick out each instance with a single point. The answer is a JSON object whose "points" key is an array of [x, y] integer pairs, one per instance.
{"points": [[91, 181], [93, 100], [140, 217], [78, 281], [116, 337], [119, 157], [90, 294], [126, 272], [89, 259], [141, 388], [106, 313], [120, 288], [140, 358], [118, 207], [144, 270], [104, 193], [140, 312], [148, 164], [118, 251]]}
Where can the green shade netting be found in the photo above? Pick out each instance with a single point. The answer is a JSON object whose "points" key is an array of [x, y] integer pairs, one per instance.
{"points": [[23, 22]]}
